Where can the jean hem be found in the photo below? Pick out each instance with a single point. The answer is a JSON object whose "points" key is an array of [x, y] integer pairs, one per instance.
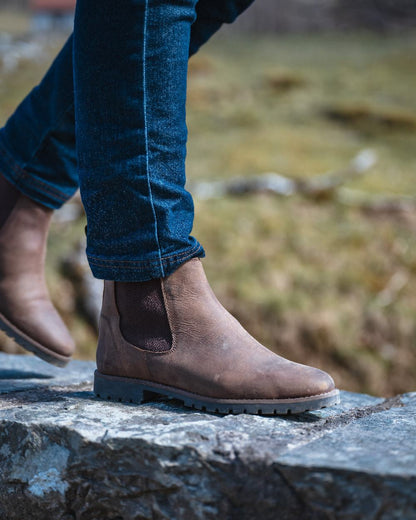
{"points": [[27, 184], [141, 270]]}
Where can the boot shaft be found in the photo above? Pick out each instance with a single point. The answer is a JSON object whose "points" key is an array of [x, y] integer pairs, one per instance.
{"points": [[24, 226]]}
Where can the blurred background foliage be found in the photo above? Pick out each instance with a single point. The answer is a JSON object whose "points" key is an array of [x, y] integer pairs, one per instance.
{"points": [[319, 281]]}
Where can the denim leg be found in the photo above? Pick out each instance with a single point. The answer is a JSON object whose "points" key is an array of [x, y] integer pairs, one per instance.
{"points": [[43, 164], [130, 76], [37, 144]]}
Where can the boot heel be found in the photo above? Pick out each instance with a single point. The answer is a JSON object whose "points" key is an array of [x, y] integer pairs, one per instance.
{"points": [[119, 389]]}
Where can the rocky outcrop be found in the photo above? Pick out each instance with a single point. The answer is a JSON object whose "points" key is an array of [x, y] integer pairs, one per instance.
{"points": [[66, 455]]}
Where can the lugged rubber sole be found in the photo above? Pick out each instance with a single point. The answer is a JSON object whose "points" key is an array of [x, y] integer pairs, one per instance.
{"points": [[123, 389], [31, 345]]}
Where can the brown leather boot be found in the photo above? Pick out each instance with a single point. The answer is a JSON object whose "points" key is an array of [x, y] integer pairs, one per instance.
{"points": [[26, 311], [172, 337]]}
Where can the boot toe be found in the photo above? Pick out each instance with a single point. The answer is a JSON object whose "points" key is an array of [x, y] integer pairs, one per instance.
{"points": [[320, 382], [54, 335], [60, 342], [295, 381], [43, 325], [312, 382]]}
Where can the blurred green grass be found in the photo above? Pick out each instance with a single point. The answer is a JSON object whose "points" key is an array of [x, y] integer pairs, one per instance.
{"points": [[305, 278]]}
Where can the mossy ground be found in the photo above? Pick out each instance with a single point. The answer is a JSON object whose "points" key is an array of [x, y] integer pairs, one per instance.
{"points": [[306, 278]]}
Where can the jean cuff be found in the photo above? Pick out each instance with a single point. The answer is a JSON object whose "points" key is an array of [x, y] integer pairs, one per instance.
{"points": [[142, 270], [28, 184]]}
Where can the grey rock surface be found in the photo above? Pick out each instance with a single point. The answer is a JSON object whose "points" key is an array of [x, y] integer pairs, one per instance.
{"points": [[66, 455], [26, 372]]}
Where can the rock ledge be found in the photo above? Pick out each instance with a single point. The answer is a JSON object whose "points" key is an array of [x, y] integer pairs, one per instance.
{"points": [[65, 455]]}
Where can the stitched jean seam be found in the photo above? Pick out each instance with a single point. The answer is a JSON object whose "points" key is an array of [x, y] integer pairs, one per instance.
{"points": [[156, 231]]}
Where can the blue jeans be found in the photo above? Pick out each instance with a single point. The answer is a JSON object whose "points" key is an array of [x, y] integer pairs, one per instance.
{"points": [[109, 117]]}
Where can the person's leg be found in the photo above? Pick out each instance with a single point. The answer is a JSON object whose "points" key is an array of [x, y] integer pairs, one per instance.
{"points": [[161, 329], [130, 76], [169, 334], [37, 156], [37, 145]]}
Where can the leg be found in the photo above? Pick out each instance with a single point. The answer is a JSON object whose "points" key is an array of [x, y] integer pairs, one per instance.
{"points": [[43, 165], [131, 135], [162, 331], [168, 334]]}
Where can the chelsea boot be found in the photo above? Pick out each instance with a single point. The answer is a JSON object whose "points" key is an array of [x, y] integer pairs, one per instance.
{"points": [[26, 311], [172, 337]]}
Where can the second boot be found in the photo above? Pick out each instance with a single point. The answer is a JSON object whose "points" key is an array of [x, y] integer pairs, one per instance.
{"points": [[26, 311]]}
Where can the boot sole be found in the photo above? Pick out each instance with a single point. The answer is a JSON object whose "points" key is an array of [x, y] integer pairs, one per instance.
{"points": [[129, 390], [31, 345]]}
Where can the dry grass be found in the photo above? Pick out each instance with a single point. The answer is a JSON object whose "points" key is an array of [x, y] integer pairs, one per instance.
{"points": [[313, 281], [13, 21], [371, 119]]}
